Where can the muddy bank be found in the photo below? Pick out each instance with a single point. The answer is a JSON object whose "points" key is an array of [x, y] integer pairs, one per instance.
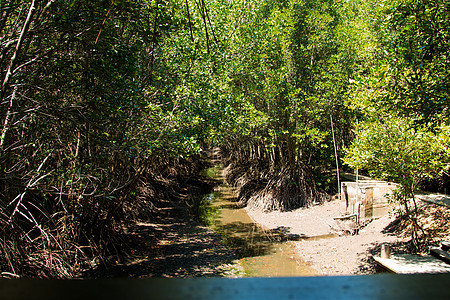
{"points": [[170, 241], [172, 245], [335, 251]]}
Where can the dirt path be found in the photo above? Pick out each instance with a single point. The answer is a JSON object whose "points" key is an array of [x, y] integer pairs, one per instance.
{"points": [[339, 255], [173, 245]]}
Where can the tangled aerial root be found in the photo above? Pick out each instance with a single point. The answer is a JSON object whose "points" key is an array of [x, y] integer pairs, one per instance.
{"points": [[268, 191], [286, 191]]}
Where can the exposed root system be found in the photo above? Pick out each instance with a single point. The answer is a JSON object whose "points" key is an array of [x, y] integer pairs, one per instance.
{"points": [[264, 186]]}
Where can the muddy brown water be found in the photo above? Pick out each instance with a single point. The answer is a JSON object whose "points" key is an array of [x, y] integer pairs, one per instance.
{"points": [[261, 252]]}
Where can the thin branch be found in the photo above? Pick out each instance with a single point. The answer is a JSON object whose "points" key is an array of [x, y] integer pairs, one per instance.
{"points": [[104, 21], [18, 46], [25, 64], [9, 113], [202, 12], [152, 58], [209, 22], [189, 19]]}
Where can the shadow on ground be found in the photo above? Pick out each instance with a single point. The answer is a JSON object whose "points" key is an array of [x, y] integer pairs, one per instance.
{"points": [[368, 264], [172, 245]]}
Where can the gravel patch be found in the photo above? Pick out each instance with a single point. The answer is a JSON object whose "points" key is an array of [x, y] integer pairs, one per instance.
{"points": [[334, 251]]}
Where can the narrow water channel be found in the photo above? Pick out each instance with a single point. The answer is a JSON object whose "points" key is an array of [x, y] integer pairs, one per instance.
{"points": [[260, 251]]}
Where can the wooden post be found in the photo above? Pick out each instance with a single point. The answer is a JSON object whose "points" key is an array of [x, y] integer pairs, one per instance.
{"points": [[358, 198], [337, 160], [385, 251]]}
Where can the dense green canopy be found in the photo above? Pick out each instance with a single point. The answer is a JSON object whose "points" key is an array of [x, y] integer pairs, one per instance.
{"points": [[100, 98]]}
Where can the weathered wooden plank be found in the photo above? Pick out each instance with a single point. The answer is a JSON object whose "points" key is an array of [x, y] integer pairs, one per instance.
{"points": [[439, 199], [440, 254], [413, 264], [345, 217], [445, 245]]}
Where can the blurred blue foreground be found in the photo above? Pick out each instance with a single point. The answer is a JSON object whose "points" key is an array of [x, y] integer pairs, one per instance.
{"points": [[380, 286]]}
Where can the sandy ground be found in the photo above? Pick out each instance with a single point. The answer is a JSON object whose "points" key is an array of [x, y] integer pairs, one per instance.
{"points": [[341, 254]]}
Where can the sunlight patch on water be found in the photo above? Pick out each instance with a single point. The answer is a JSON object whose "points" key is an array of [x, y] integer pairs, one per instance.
{"points": [[260, 251]]}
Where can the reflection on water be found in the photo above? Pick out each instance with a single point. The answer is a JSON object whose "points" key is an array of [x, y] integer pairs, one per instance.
{"points": [[261, 252]]}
